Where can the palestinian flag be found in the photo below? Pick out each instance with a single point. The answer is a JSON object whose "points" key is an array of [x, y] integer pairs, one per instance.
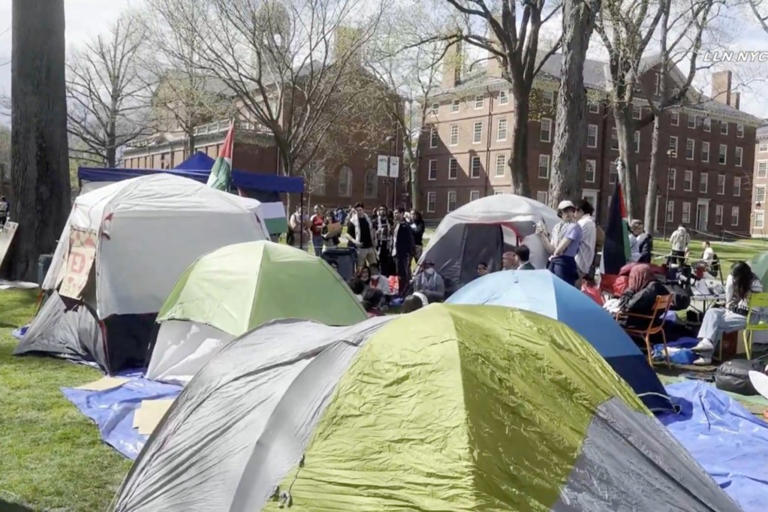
{"points": [[221, 172], [616, 249]]}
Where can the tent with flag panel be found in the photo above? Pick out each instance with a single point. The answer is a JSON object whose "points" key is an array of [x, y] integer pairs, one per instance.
{"points": [[460, 408]]}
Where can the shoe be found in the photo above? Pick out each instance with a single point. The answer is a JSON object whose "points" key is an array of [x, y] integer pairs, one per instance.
{"points": [[704, 345], [702, 361]]}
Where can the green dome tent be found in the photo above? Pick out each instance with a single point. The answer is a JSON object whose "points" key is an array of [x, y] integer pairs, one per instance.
{"points": [[237, 288], [461, 408]]}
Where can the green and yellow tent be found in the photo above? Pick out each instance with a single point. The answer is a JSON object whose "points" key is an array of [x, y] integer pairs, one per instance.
{"points": [[450, 408]]}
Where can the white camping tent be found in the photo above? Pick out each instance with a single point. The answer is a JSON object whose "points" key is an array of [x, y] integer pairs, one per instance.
{"points": [[146, 232], [480, 230]]}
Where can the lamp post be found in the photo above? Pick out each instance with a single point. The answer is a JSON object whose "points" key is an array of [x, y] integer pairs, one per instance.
{"points": [[391, 140]]}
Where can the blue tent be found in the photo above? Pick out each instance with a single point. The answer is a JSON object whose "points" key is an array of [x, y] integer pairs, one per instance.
{"points": [[542, 292]]}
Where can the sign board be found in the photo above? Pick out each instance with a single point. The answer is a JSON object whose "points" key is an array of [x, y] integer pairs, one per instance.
{"points": [[7, 233], [381, 169], [82, 252], [394, 167]]}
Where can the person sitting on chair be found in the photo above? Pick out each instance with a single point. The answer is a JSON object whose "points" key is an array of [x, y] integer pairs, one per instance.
{"points": [[640, 296], [429, 283], [740, 284], [710, 258]]}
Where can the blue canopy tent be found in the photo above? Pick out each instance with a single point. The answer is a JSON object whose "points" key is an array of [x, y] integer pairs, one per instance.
{"points": [[264, 187], [542, 292]]}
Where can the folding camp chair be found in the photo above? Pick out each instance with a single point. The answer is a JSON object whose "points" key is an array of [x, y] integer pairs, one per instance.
{"points": [[758, 306], [655, 325]]}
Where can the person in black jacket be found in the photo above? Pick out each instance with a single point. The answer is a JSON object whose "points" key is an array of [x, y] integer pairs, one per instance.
{"points": [[417, 227], [640, 295], [402, 250]]}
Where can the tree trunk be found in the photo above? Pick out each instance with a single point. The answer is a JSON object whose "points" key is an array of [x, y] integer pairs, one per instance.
{"points": [[191, 143], [571, 124], [622, 116], [39, 164], [519, 161], [653, 172]]}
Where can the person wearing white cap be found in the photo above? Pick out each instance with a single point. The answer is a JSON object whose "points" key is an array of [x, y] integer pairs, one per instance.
{"points": [[564, 244]]}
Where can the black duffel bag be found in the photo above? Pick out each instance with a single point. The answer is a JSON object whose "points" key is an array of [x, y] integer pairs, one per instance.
{"points": [[733, 376], [681, 295]]}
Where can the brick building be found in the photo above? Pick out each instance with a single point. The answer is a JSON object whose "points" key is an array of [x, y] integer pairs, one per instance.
{"points": [[704, 180], [760, 184]]}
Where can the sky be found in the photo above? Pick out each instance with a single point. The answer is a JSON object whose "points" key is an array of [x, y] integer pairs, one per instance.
{"points": [[85, 19]]}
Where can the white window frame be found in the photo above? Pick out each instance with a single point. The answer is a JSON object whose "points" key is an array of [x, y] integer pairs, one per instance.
{"points": [[690, 154], [718, 215], [739, 131], [762, 145], [703, 182], [723, 127], [479, 102], [737, 186], [739, 156], [735, 218], [691, 122], [548, 98], [762, 173], [455, 106], [448, 200], [430, 168], [542, 196], [548, 160], [472, 161], [686, 213], [674, 119], [503, 98], [590, 162], [347, 170], [501, 158], [500, 131], [636, 141], [674, 146], [722, 153], [759, 191], [590, 129], [721, 184], [759, 219], [453, 140], [670, 211], [707, 124], [672, 177], [637, 112], [687, 181], [474, 195], [434, 137], [450, 167], [613, 174], [614, 139], [431, 200], [705, 146], [477, 136], [548, 122], [593, 108]]}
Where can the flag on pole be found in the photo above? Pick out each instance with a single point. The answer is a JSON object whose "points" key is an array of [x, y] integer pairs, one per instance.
{"points": [[616, 251], [221, 172]]}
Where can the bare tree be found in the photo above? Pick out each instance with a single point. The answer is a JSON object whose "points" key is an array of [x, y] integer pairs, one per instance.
{"points": [[625, 28], [571, 121], [40, 201], [108, 98], [513, 38], [284, 61]]}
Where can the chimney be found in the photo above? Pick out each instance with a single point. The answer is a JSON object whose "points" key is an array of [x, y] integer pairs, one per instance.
{"points": [[721, 87], [452, 62], [736, 100]]}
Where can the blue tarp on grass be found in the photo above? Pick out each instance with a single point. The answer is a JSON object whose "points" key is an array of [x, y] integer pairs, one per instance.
{"points": [[113, 409], [728, 441]]}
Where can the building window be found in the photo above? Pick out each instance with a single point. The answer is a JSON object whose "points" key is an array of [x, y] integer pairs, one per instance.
{"points": [[474, 168], [594, 108], [688, 181], [451, 202], [545, 133], [637, 141], [670, 211], [671, 179], [501, 163], [718, 214], [431, 202], [734, 215], [435, 108], [455, 106], [371, 183], [501, 133], [736, 186], [453, 169], [673, 145], [433, 137], [707, 124], [614, 139], [592, 136], [637, 112], [686, 212], [542, 196], [690, 149], [543, 166], [762, 169], [760, 194], [432, 175], [590, 167], [477, 132], [763, 145], [345, 181], [722, 155], [613, 175], [548, 98], [479, 102], [723, 127], [705, 152], [721, 184], [454, 135], [739, 156], [740, 130], [674, 119], [691, 125], [759, 219], [703, 182], [503, 98]]}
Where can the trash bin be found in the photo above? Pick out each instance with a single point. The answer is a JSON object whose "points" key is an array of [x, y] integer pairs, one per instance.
{"points": [[43, 262]]}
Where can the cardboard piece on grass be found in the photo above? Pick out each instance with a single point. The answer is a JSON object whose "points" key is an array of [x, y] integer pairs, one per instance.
{"points": [[6, 237], [104, 383], [149, 414], [82, 252]]}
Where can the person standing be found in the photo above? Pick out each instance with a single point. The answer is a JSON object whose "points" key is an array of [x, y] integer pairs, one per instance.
{"points": [[316, 223], [418, 227], [679, 244], [402, 250], [382, 228], [585, 258], [298, 235], [360, 233], [640, 242], [564, 244]]}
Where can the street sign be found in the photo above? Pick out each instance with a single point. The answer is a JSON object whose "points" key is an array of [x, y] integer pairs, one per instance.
{"points": [[381, 169], [394, 167]]}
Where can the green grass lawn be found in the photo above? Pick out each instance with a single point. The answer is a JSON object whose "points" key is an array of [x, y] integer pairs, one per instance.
{"points": [[51, 456], [728, 252]]}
